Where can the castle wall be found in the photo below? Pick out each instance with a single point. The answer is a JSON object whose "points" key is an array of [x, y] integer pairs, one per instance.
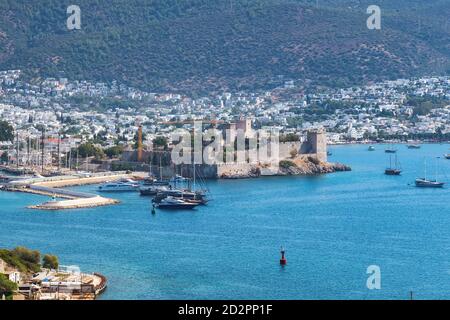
{"points": [[315, 145], [287, 147], [234, 169]]}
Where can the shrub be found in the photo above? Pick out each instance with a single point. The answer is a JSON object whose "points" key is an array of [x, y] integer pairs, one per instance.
{"points": [[314, 160], [50, 262], [22, 259], [6, 287], [290, 137], [285, 164]]}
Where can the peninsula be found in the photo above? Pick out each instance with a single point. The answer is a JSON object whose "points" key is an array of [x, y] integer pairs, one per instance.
{"points": [[25, 275]]}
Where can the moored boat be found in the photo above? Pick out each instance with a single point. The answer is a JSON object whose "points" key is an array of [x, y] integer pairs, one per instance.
{"points": [[428, 183], [425, 183], [152, 190], [181, 194], [118, 187], [174, 203], [371, 148], [393, 170], [179, 179], [155, 182]]}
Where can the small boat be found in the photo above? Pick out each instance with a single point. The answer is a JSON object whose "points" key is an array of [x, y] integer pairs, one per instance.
{"points": [[179, 179], [414, 146], [329, 153], [447, 156], [425, 183], [118, 187], [371, 148], [173, 203], [390, 150]]}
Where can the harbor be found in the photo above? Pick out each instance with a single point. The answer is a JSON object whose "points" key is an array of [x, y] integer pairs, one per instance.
{"points": [[332, 226], [69, 199]]}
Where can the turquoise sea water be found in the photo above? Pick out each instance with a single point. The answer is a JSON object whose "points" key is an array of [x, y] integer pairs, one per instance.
{"points": [[332, 226]]}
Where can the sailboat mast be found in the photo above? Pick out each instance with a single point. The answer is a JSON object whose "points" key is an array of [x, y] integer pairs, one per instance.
{"points": [[193, 185], [436, 169], [425, 169], [160, 168]]}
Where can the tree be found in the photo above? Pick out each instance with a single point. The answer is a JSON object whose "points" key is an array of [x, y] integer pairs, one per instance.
{"points": [[290, 137], [88, 149], [6, 287], [113, 152], [25, 259], [50, 262], [160, 142], [6, 131], [4, 157], [31, 256]]}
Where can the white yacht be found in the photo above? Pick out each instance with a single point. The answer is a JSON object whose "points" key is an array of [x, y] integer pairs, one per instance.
{"points": [[118, 187]]}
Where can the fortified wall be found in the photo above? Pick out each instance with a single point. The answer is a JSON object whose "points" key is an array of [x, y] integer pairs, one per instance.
{"points": [[315, 145]]}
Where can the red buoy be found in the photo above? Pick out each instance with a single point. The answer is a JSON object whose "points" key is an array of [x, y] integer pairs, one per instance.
{"points": [[283, 260]]}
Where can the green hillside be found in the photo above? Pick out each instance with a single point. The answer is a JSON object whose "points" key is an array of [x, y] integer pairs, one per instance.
{"points": [[203, 45]]}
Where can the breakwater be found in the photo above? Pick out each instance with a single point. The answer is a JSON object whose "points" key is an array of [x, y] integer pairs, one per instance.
{"points": [[71, 199]]}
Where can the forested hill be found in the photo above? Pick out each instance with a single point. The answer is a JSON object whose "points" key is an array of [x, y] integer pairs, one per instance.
{"points": [[203, 45]]}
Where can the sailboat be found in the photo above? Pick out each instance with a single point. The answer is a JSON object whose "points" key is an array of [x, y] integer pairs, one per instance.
{"points": [[190, 195], [426, 183], [152, 186], [393, 171], [199, 194]]}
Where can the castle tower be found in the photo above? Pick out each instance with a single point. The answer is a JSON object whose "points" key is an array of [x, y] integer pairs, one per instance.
{"points": [[318, 140]]}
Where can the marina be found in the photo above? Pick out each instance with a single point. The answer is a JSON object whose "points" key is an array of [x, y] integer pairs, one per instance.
{"points": [[51, 187]]}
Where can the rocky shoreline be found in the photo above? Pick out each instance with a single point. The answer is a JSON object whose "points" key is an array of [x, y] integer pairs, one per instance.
{"points": [[294, 167], [310, 166]]}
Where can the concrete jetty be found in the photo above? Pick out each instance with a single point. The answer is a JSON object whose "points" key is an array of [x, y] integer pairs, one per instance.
{"points": [[71, 199], [96, 201]]}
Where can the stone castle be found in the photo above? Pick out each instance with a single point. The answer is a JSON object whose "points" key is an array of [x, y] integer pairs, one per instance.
{"points": [[313, 145]]}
